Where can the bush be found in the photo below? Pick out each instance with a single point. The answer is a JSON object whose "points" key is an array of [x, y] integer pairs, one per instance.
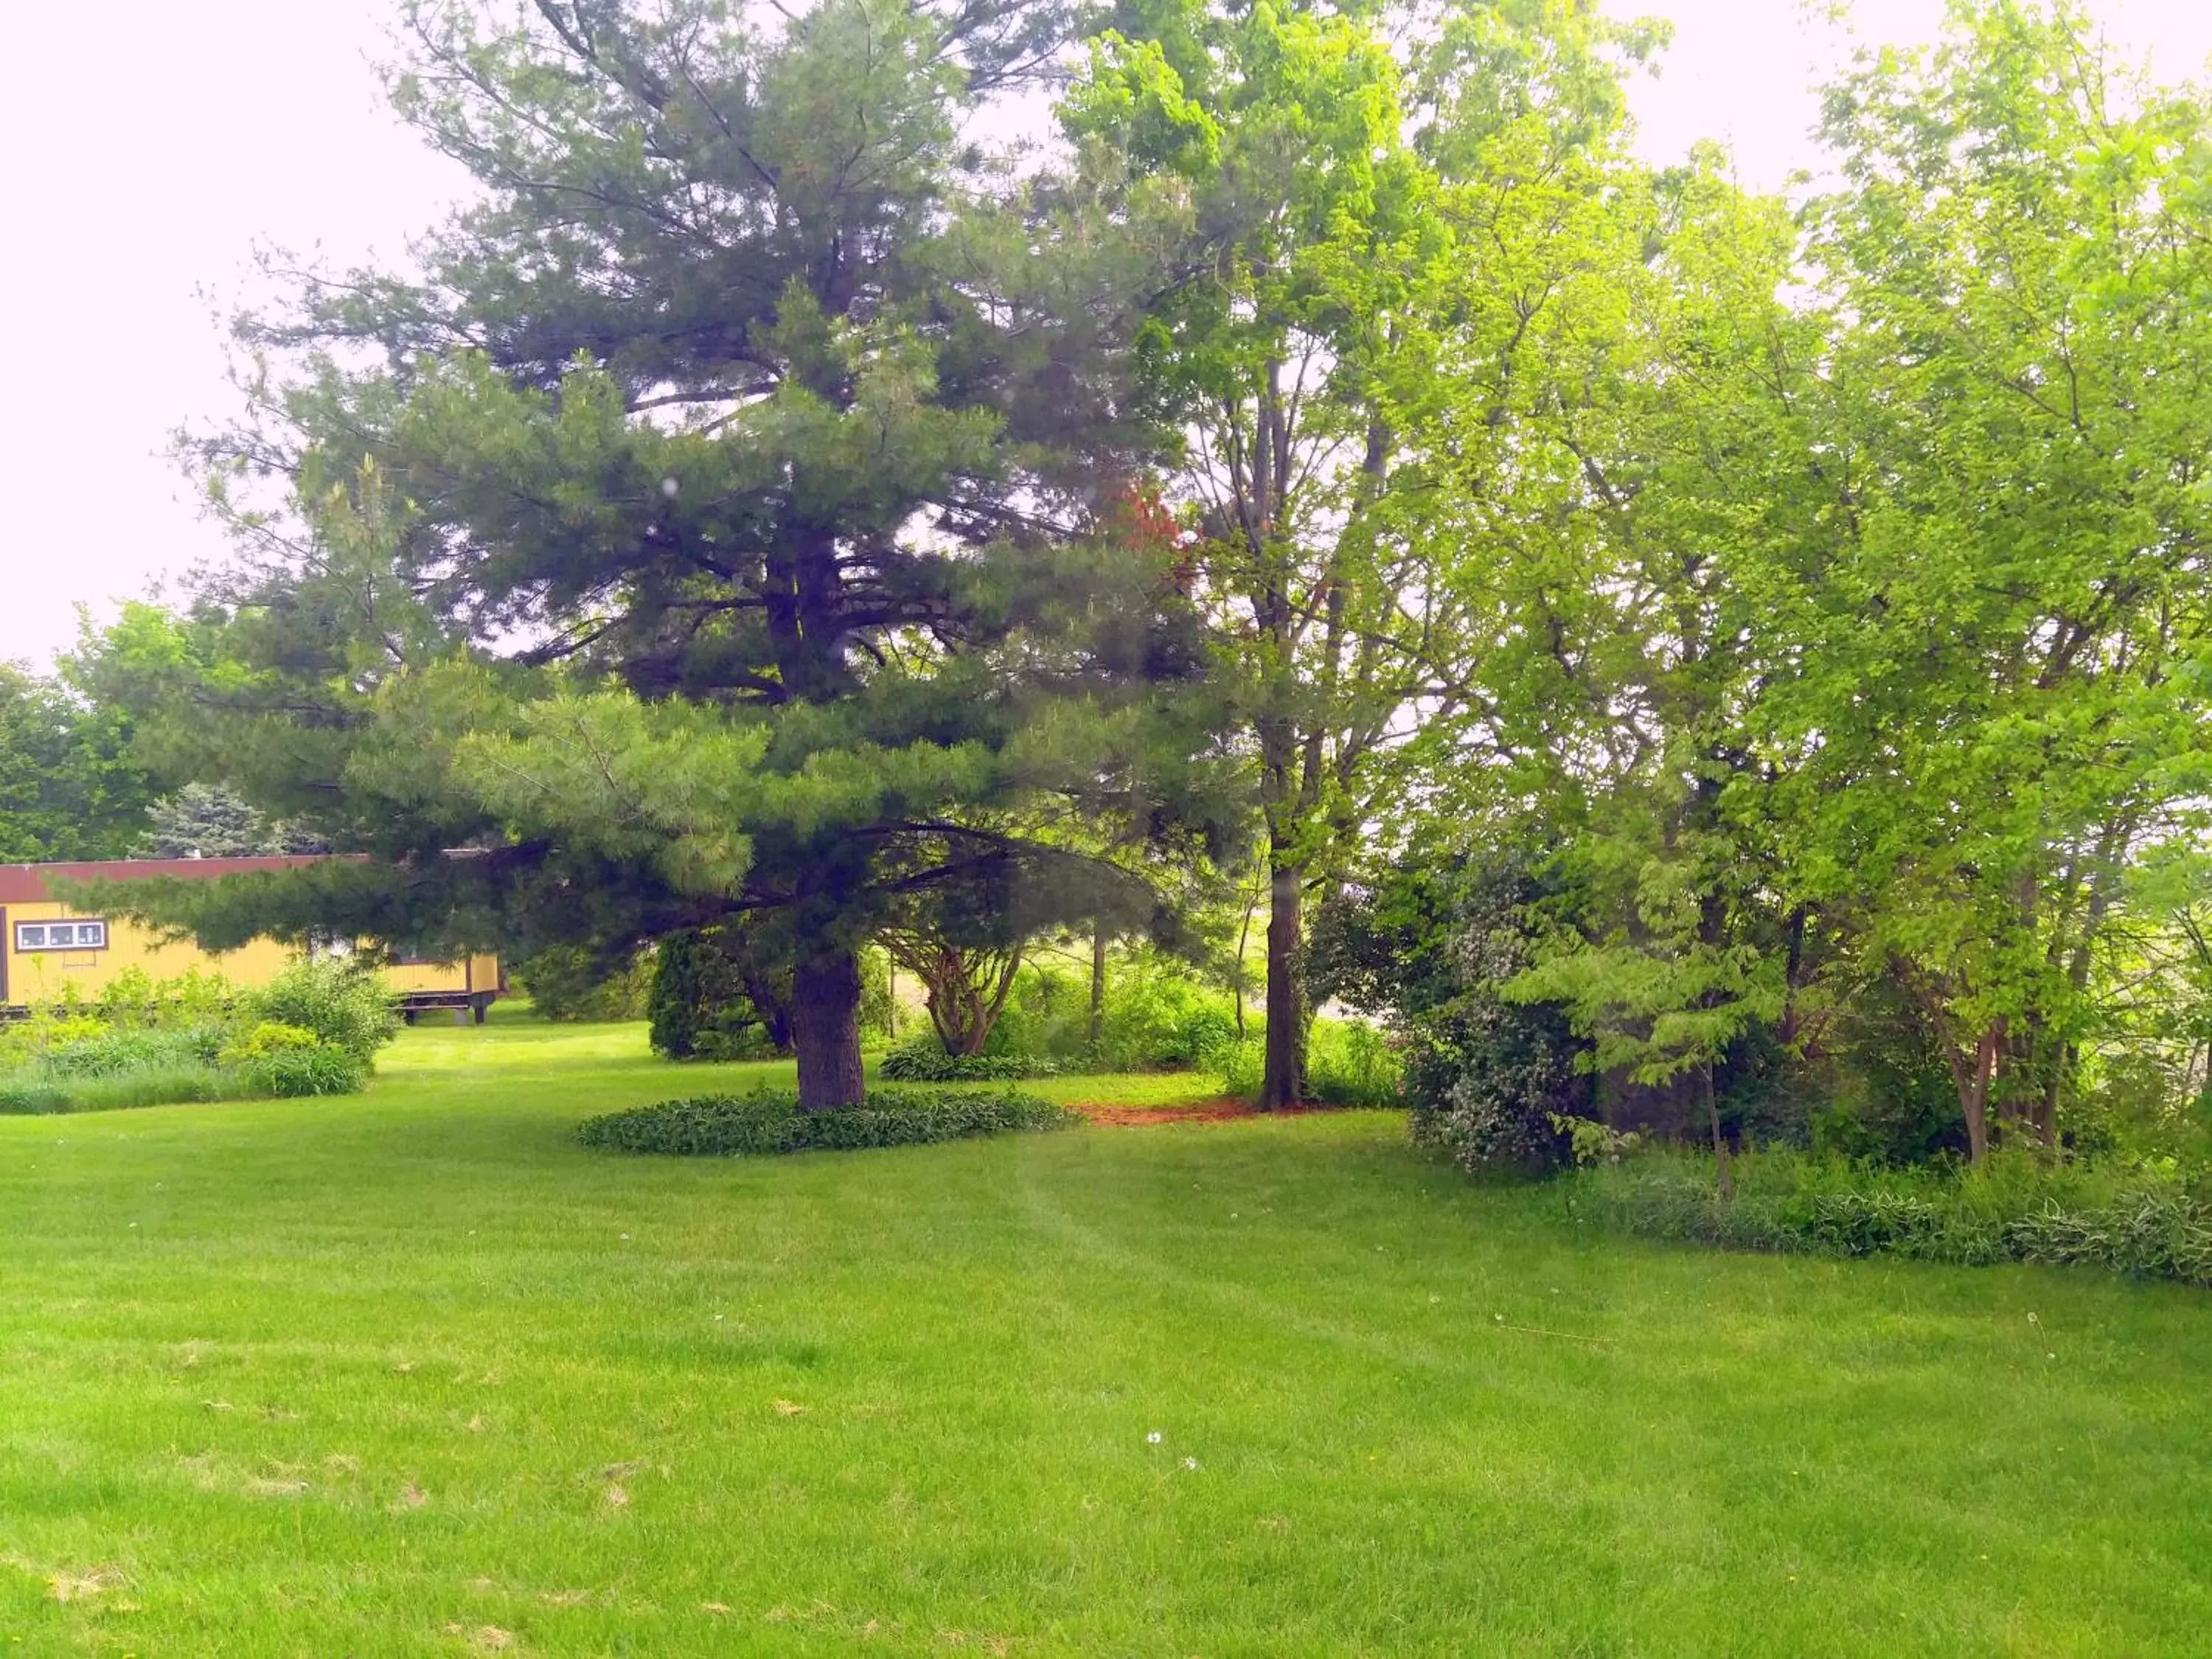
{"points": [[923, 1060], [1487, 1080], [343, 1003], [1348, 1063], [768, 1120], [147, 1042], [320, 1068], [135, 1001], [22, 1096], [1243, 1069], [2144, 1219], [287, 1062], [37, 1094], [265, 1039]]}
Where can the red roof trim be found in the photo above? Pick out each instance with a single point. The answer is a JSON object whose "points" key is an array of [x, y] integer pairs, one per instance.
{"points": [[26, 884]]}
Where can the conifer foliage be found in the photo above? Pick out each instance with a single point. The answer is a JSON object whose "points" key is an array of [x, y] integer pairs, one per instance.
{"points": [[714, 527]]}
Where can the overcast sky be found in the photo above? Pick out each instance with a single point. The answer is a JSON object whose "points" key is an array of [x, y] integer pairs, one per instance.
{"points": [[153, 152]]}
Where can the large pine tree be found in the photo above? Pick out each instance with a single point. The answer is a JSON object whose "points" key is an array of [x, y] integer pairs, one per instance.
{"points": [[722, 521]]}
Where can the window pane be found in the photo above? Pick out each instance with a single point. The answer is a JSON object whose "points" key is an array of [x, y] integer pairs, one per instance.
{"points": [[30, 938], [93, 934]]}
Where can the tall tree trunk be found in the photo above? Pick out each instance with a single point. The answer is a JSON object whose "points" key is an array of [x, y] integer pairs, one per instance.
{"points": [[1284, 1081], [1723, 1179], [2046, 1109], [825, 1029], [1972, 1081], [1097, 1027], [1244, 942], [1973, 1084], [1792, 982]]}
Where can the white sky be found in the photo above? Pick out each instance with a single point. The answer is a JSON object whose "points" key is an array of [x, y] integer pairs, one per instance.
{"points": [[151, 154]]}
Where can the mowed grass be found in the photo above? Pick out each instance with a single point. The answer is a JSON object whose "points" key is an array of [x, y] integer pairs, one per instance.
{"points": [[415, 1374]]}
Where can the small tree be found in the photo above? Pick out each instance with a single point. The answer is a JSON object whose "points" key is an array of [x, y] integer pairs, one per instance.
{"points": [[203, 821]]}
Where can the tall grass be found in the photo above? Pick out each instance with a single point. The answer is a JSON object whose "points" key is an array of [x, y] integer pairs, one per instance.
{"points": [[1348, 1063], [2152, 1220], [37, 1092]]}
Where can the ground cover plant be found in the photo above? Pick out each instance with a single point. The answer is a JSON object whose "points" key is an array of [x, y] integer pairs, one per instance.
{"points": [[314, 1030], [765, 1121], [923, 1060], [427, 1377]]}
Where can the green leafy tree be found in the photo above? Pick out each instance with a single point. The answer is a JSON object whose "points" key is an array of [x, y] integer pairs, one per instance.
{"points": [[1271, 141], [69, 785], [2005, 670]]}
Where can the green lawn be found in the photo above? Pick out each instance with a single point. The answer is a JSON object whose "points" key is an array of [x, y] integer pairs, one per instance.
{"points": [[413, 1374]]}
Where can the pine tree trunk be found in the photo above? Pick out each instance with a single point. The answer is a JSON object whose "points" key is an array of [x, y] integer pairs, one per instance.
{"points": [[1285, 1082], [825, 1029]]}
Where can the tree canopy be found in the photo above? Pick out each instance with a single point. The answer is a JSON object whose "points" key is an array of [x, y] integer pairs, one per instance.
{"points": [[778, 504]]}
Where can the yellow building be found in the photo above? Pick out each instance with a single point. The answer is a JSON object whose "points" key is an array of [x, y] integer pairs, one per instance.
{"points": [[49, 950]]}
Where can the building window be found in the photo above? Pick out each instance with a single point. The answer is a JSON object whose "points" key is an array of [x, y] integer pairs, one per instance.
{"points": [[61, 936]]}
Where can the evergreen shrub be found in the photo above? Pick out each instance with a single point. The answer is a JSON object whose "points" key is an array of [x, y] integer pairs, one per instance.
{"points": [[768, 1120]]}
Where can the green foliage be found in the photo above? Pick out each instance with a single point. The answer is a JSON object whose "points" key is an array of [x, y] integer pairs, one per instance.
{"points": [[343, 1003], [1433, 944], [202, 820], [107, 1052], [769, 1120], [70, 785], [34, 1093], [1591, 1143], [801, 496], [568, 983], [715, 996], [268, 1038], [2146, 1220], [1158, 1017], [1351, 1063], [923, 1060], [288, 1060], [28, 1096], [315, 1068], [148, 1042], [135, 1001]]}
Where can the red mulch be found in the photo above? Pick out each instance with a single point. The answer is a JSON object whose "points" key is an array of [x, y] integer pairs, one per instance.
{"points": [[1210, 1111]]}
